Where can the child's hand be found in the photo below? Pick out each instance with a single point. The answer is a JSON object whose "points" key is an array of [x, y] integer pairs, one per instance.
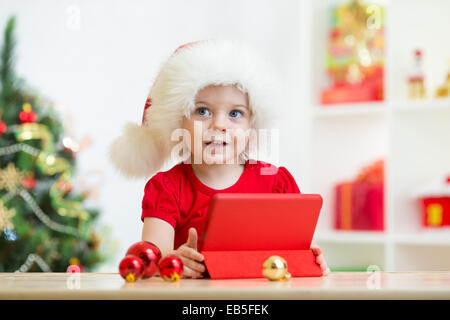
{"points": [[320, 260], [191, 258]]}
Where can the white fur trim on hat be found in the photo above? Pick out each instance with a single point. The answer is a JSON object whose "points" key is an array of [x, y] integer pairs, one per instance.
{"points": [[143, 150]]}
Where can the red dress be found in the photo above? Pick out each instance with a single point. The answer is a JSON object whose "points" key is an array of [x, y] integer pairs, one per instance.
{"points": [[178, 197]]}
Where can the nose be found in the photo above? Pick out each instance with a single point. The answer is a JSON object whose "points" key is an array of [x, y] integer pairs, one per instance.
{"points": [[219, 122]]}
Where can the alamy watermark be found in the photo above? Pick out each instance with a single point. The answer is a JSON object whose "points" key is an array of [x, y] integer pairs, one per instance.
{"points": [[73, 282], [374, 18], [213, 147], [73, 17], [374, 280]]}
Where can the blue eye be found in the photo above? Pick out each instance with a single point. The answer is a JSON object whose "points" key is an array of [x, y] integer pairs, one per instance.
{"points": [[236, 114], [202, 111]]}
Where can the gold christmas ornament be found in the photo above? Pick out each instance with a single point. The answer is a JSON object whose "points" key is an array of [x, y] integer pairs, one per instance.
{"points": [[11, 177], [5, 217], [275, 268]]}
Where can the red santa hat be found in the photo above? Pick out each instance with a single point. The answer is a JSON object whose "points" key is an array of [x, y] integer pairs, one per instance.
{"points": [[144, 149]]}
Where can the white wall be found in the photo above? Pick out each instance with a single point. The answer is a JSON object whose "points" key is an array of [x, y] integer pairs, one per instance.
{"points": [[103, 70]]}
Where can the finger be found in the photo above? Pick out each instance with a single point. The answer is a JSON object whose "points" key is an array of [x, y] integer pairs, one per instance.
{"points": [[316, 250], [191, 253], [192, 238], [326, 272], [319, 259], [193, 265], [322, 263], [189, 273]]}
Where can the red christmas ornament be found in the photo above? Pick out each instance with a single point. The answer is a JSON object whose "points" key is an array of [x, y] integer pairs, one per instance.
{"points": [[74, 266], [2, 127], [171, 268], [27, 114], [29, 183], [131, 268], [149, 254], [64, 186]]}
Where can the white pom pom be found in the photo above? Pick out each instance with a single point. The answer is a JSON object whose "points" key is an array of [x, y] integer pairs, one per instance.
{"points": [[137, 152]]}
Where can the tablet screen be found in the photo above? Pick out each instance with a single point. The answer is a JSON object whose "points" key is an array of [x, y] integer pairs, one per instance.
{"points": [[260, 221]]}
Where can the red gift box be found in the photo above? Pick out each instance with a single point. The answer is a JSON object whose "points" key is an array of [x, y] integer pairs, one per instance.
{"points": [[434, 200], [359, 204], [350, 93], [371, 89], [436, 211]]}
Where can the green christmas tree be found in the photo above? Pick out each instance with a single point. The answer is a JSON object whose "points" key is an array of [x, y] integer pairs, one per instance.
{"points": [[44, 225]]}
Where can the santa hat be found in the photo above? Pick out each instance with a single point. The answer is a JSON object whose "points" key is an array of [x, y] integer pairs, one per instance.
{"points": [[144, 149]]}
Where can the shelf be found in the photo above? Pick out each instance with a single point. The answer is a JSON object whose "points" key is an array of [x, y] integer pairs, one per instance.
{"points": [[425, 238], [351, 237], [349, 109], [379, 108], [420, 238], [421, 105], [410, 134]]}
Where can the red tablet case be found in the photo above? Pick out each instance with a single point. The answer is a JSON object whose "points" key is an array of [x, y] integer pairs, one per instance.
{"points": [[243, 229]]}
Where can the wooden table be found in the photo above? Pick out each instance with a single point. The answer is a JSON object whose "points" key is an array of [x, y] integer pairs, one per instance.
{"points": [[338, 285]]}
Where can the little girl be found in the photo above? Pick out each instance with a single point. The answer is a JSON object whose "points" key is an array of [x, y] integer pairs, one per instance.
{"points": [[210, 94]]}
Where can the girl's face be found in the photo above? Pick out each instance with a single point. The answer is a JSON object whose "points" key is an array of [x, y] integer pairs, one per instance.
{"points": [[218, 125]]}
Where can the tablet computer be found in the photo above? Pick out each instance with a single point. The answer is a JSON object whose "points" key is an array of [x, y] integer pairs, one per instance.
{"points": [[260, 221]]}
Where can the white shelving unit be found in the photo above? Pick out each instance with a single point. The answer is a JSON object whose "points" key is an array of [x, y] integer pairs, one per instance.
{"points": [[412, 136]]}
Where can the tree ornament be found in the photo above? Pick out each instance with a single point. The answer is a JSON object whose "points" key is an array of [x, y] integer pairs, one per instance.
{"points": [[27, 114], [10, 235], [74, 266], [5, 216], [149, 253], [171, 268], [131, 268], [11, 177], [3, 126], [64, 186], [29, 182], [275, 268]]}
